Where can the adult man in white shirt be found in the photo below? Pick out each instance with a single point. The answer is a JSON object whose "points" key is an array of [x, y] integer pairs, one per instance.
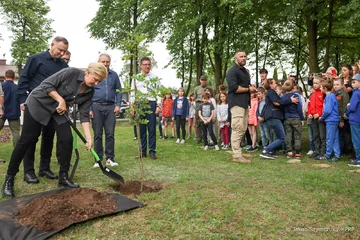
{"points": [[148, 131]]}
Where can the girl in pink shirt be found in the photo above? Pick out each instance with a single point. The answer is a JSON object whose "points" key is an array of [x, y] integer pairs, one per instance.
{"points": [[253, 121]]}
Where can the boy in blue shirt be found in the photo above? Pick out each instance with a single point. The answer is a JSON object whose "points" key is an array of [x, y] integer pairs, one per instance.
{"points": [[353, 113], [331, 118]]}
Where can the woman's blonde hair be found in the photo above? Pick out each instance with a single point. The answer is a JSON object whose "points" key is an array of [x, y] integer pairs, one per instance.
{"points": [[99, 69]]}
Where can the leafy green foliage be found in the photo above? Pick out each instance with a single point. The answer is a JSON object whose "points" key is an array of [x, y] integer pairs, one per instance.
{"points": [[29, 27]]}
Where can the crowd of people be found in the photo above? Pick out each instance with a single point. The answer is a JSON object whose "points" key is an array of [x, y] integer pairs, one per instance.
{"points": [[275, 112]]}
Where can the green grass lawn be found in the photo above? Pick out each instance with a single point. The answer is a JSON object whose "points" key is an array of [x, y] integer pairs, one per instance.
{"points": [[206, 196]]}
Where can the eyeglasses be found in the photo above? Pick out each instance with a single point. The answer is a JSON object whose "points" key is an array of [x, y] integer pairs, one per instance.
{"points": [[146, 64]]}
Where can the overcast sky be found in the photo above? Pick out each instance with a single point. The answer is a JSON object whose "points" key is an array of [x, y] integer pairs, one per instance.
{"points": [[70, 19]]}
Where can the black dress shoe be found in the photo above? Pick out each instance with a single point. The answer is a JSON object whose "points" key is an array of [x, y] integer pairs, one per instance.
{"points": [[8, 187], [64, 181], [31, 178], [49, 174], [153, 156]]}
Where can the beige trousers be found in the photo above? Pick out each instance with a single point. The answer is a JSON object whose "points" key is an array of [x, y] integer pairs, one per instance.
{"points": [[239, 124]]}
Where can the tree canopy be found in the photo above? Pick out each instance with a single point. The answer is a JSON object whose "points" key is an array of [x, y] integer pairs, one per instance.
{"points": [[202, 36], [31, 30]]}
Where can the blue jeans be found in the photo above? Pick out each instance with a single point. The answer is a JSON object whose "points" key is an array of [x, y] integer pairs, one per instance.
{"points": [[150, 127], [311, 137], [104, 119], [332, 140], [265, 133], [277, 126], [355, 137]]}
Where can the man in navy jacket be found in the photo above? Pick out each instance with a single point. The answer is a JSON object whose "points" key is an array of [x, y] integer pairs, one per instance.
{"points": [[37, 68]]}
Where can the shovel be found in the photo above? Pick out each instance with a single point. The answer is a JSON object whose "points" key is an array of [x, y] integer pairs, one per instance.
{"points": [[75, 146], [107, 171]]}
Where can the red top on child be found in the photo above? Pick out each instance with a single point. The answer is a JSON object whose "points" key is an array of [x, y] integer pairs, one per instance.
{"points": [[316, 103], [167, 108]]}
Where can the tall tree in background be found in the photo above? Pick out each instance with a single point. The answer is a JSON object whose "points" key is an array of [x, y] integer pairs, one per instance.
{"points": [[118, 24], [30, 28]]}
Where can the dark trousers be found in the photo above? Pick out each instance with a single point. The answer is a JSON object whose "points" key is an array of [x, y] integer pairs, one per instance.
{"points": [[29, 136], [160, 125], [47, 142], [208, 128], [104, 119], [293, 131], [150, 127], [180, 122], [199, 122], [319, 133]]}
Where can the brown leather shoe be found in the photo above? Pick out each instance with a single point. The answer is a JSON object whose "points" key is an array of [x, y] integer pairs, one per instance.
{"points": [[241, 160], [153, 156]]}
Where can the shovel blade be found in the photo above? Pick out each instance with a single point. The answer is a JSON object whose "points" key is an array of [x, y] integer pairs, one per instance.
{"points": [[113, 175]]}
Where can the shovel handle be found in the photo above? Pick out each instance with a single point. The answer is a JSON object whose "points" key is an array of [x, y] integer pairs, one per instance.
{"points": [[75, 129], [81, 137]]}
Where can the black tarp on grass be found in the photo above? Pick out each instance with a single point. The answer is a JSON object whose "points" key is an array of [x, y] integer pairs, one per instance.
{"points": [[10, 228]]}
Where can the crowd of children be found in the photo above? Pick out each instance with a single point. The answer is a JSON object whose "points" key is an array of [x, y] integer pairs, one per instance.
{"points": [[332, 113]]}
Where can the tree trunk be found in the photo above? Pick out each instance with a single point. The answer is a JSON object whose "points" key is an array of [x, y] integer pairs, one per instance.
{"points": [[328, 42], [190, 65], [312, 43], [257, 57], [218, 68], [182, 65], [298, 52], [197, 57]]}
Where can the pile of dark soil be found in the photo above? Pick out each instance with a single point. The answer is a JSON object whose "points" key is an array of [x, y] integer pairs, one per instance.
{"points": [[58, 211], [134, 187], [5, 135]]}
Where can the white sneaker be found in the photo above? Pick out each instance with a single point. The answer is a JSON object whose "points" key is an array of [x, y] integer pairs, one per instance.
{"points": [[96, 165], [178, 140], [182, 141], [206, 147], [111, 163], [216, 147], [310, 152]]}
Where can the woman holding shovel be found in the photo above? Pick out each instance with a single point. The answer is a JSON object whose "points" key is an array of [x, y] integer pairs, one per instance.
{"points": [[47, 104]]}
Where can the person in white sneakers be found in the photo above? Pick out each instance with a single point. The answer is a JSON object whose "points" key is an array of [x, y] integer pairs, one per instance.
{"points": [[180, 113], [206, 112], [105, 105]]}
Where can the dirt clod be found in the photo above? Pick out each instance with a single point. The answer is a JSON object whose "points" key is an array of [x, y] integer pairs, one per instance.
{"points": [[133, 187], [5, 135], [58, 211]]}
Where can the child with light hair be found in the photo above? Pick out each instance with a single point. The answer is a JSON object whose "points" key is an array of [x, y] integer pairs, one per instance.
{"points": [[293, 122]]}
